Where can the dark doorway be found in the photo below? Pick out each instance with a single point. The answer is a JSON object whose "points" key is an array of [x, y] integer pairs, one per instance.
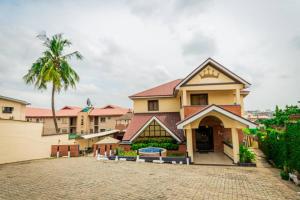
{"points": [[204, 139]]}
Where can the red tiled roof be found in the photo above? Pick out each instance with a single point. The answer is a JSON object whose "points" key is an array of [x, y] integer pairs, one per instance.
{"points": [[139, 120], [109, 110], [166, 89], [68, 111], [37, 112]]}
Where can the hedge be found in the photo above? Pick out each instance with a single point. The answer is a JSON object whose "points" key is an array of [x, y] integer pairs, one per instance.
{"points": [[293, 145], [282, 147], [166, 143]]}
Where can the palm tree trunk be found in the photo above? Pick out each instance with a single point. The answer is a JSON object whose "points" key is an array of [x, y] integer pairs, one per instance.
{"points": [[53, 109]]}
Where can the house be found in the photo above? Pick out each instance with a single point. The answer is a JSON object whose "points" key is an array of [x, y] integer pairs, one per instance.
{"points": [[202, 111], [12, 108], [23, 140], [77, 120]]}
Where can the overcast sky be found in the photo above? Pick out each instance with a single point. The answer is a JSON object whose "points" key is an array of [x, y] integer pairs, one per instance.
{"points": [[129, 46]]}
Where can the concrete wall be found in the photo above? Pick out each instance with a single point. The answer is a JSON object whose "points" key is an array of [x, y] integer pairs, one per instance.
{"points": [[18, 112], [21, 140]]}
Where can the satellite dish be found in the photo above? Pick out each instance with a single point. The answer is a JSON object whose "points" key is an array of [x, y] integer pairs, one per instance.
{"points": [[88, 102]]}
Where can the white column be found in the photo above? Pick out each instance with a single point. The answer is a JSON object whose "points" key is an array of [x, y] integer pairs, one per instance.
{"points": [[238, 96], [189, 143], [236, 145]]}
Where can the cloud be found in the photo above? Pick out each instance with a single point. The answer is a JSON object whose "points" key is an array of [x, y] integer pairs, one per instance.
{"points": [[129, 46], [198, 45]]}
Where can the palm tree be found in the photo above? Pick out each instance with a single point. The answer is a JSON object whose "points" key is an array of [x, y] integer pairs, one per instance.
{"points": [[53, 68]]}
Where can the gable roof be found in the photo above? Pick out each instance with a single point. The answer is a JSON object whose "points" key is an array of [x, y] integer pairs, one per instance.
{"points": [[109, 110], [216, 65], [68, 111], [141, 120], [15, 100], [37, 112], [218, 109], [163, 90]]}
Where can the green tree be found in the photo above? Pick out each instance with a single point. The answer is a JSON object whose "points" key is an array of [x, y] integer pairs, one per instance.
{"points": [[53, 68]]}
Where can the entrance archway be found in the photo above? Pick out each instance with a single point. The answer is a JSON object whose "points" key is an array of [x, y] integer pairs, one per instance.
{"points": [[209, 135]]}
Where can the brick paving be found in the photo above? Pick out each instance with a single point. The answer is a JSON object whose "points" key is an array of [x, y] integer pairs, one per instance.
{"points": [[87, 178]]}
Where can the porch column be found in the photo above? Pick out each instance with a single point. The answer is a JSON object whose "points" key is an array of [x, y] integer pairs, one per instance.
{"points": [[238, 96], [236, 145], [189, 143], [184, 98]]}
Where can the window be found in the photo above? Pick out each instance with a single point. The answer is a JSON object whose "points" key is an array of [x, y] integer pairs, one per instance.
{"points": [[108, 118], [199, 99], [64, 120], [91, 119], [102, 130], [64, 130], [102, 119], [153, 105], [91, 130], [154, 130], [7, 109], [37, 120], [82, 122]]}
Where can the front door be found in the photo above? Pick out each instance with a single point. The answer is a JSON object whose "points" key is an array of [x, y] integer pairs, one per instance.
{"points": [[204, 139]]}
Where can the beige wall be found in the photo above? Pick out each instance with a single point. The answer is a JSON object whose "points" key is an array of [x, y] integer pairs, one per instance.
{"points": [[218, 97], [22, 140], [85, 126], [170, 104], [18, 112], [109, 124], [63, 124]]}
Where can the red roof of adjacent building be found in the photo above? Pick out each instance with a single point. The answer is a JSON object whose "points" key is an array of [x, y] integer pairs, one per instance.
{"points": [[37, 112], [109, 110], [139, 120], [166, 89], [68, 111]]}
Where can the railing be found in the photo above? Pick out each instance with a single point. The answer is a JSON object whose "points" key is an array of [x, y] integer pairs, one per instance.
{"points": [[190, 110], [228, 150]]}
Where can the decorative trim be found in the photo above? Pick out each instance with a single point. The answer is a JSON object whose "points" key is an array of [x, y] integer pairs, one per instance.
{"points": [[213, 107], [203, 84], [216, 65], [160, 123]]}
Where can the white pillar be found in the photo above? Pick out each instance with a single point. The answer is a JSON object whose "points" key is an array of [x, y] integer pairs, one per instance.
{"points": [[236, 145], [189, 143], [238, 96]]}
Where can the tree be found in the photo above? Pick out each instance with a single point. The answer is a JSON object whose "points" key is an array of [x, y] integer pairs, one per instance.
{"points": [[53, 68]]}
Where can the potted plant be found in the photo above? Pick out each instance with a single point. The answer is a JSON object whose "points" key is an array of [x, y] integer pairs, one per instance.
{"points": [[246, 156]]}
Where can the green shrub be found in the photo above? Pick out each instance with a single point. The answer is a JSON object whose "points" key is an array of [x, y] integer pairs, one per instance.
{"points": [[246, 155], [166, 143], [284, 175]]}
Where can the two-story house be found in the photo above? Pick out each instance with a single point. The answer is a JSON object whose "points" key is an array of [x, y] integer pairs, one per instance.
{"points": [[12, 108], [203, 110]]}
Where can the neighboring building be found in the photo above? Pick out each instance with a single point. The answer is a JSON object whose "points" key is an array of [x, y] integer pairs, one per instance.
{"points": [[12, 108], [71, 119], [203, 110], [256, 115], [104, 119]]}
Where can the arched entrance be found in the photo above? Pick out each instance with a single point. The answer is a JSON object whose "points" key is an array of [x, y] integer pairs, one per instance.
{"points": [[209, 135]]}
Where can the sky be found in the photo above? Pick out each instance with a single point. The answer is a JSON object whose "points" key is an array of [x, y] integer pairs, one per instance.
{"points": [[130, 46]]}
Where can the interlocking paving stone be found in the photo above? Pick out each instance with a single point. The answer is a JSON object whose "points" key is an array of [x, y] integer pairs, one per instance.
{"points": [[87, 178]]}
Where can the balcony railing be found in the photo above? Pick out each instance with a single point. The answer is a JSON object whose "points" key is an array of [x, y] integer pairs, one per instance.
{"points": [[190, 110]]}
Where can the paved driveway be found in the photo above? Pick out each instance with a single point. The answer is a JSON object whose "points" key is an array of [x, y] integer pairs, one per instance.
{"points": [[86, 178]]}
